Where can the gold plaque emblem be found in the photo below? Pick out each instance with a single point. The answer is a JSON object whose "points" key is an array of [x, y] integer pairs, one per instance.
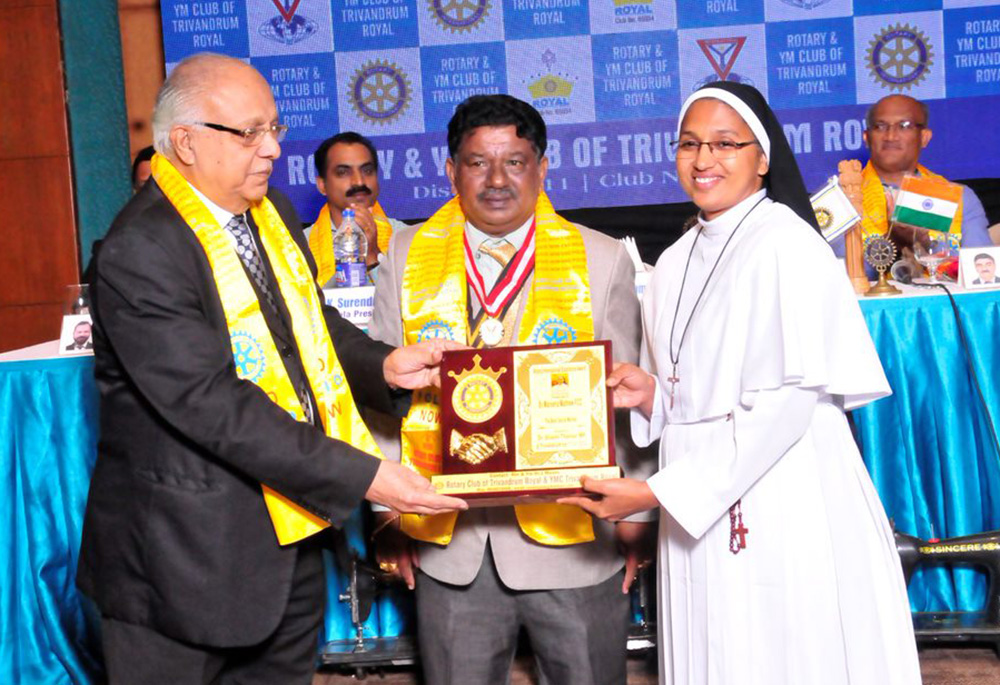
{"points": [[478, 447], [477, 396]]}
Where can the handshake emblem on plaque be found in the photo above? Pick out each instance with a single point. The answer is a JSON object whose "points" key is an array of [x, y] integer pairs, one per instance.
{"points": [[478, 447]]}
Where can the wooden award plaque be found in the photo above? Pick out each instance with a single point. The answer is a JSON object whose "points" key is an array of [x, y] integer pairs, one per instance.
{"points": [[524, 424]]}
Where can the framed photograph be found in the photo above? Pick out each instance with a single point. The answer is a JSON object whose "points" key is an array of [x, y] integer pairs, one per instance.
{"points": [[978, 267], [76, 337]]}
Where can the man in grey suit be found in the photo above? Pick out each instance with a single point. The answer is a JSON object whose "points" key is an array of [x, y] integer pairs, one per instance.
{"points": [[494, 576]]}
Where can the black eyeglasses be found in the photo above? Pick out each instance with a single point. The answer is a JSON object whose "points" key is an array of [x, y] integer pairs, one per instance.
{"points": [[720, 149], [250, 137]]}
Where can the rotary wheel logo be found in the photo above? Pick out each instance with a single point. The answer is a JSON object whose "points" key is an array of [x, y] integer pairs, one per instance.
{"points": [[435, 329], [248, 356], [824, 218], [477, 396], [879, 251], [459, 16], [380, 91], [900, 57], [553, 332]]}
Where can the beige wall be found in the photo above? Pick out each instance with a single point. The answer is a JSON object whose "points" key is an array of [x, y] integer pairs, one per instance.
{"points": [[142, 62]]}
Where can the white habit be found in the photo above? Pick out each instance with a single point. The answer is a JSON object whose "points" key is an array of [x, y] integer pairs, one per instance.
{"points": [[776, 351]]}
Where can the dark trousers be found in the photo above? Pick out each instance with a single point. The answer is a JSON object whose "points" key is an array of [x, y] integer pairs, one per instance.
{"points": [[137, 655], [468, 634]]}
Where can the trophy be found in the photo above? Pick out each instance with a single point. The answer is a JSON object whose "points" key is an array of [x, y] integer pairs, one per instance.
{"points": [[880, 252]]}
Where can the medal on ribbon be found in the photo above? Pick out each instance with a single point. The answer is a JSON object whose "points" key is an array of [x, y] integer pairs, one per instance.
{"points": [[504, 291]]}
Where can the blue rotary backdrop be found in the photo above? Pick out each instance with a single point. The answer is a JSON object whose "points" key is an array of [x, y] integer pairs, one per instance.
{"points": [[607, 75]]}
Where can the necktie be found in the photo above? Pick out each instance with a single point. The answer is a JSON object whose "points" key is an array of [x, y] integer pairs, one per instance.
{"points": [[501, 252], [495, 328], [247, 251], [499, 249]]}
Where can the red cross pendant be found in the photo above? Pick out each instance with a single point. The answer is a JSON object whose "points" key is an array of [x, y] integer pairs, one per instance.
{"points": [[737, 531]]}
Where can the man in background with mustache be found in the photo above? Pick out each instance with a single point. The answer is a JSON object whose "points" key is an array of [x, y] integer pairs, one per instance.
{"points": [[347, 174]]}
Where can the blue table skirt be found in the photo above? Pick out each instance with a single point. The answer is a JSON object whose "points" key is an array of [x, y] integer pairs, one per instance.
{"points": [[49, 632], [392, 612], [928, 446]]}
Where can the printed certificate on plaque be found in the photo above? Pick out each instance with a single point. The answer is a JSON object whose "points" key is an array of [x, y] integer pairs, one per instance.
{"points": [[524, 424]]}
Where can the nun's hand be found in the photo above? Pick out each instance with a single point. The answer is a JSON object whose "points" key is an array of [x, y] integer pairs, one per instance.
{"points": [[632, 387], [620, 498]]}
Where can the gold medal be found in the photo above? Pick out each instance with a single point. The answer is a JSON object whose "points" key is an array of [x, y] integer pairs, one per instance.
{"points": [[491, 331]]}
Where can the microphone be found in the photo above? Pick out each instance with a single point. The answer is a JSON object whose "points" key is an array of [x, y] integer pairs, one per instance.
{"points": [[902, 272]]}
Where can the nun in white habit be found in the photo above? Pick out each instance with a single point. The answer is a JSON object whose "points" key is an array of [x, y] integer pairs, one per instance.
{"points": [[777, 563]]}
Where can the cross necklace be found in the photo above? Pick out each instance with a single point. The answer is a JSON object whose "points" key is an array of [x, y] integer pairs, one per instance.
{"points": [[674, 379]]}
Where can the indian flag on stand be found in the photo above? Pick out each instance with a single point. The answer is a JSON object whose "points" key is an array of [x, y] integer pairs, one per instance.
{"points": [[927, 203]]}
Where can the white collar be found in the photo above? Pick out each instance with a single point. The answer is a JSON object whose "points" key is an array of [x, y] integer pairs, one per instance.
{"points": [[515, 237], [727, 222], [218, 213]]}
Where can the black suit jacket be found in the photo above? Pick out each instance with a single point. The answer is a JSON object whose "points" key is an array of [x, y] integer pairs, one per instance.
{"points": [[176, 534]]}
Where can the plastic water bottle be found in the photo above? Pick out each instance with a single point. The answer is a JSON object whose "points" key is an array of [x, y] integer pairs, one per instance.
{"points": [[350, 249]]}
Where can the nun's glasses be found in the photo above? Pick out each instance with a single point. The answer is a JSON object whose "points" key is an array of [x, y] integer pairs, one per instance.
{"points": [[720, 149]]}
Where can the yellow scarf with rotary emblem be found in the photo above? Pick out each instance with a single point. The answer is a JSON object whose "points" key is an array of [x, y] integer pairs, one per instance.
{"points": [[433, 304], [254, 352]]}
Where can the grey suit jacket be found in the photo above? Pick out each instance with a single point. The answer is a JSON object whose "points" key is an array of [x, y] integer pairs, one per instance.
{"points": [[522, 563]]}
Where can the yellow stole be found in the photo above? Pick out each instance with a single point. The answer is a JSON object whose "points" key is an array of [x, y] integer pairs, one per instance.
{"points": [[321, 240], [433, 305], [875, 216], [254, 352]]}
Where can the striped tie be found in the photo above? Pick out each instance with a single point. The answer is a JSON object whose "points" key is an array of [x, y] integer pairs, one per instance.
{"points": [[247, 251]]}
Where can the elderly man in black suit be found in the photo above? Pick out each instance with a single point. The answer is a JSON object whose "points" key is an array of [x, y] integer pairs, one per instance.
{"points": [[229, 431]]}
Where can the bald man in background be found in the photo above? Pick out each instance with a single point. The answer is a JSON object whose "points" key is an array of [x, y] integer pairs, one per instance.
{"points": [[898, 130]]}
